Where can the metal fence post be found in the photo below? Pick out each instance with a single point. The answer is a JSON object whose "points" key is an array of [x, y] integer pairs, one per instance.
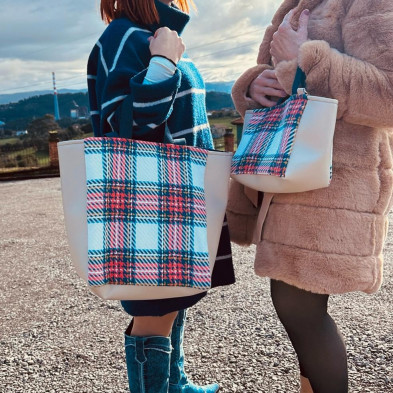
{"points": [[229, 140], [53, 155]]}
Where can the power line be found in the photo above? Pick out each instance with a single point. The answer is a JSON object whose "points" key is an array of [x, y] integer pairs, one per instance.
{"points": [[23, 87], [43, 82], [224, 50], [60, 42], [193, 58], [225, 39], [73, 84]]}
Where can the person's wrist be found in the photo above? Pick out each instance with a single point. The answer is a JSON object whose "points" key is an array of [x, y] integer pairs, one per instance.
{"points": [[174, 62]]}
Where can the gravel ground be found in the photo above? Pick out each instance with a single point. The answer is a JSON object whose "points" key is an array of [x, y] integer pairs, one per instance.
{"points": [[57, 337]]}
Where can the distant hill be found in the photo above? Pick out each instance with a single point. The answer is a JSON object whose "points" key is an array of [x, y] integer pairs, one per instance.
{"points": [[216, 101], [9, 98], [18, 115], [223, 87]]}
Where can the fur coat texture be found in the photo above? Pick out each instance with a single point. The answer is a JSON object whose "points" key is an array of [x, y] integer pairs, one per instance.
{"points": [[330, 240]]}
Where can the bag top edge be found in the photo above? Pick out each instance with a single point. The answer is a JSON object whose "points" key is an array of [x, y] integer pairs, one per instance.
{"points": [[71, 142], [310, 98], [81, 141]]}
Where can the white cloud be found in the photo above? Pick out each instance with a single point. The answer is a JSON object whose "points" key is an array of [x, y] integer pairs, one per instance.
{"points": [[37, 75], [38, 37]]}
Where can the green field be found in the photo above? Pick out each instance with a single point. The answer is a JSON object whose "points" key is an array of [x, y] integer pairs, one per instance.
{"points": [[223, 120], [23, 159], [31, 158], [43, 158], [9, 140]]}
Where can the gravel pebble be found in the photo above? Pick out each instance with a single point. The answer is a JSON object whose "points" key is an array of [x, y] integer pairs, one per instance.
{"points": [[57, 337]]}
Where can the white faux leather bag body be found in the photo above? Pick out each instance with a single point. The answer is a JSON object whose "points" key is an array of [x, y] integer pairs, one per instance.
{"points": [[74, 191], [293, 160]]}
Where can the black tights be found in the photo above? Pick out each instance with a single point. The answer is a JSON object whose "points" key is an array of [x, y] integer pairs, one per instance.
{"points": [[314, 335]]}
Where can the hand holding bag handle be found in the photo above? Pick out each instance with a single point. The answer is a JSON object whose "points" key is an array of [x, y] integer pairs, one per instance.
{"points": [[72, 155], [252, 194], [127, 123], [299, 82]]}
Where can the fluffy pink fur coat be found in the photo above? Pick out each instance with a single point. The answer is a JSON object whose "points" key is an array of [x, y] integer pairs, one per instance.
{"points": [[330, 240]]}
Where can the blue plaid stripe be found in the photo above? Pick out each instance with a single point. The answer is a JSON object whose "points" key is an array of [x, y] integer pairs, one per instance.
{"points": [[267, 142], [146, 214]]}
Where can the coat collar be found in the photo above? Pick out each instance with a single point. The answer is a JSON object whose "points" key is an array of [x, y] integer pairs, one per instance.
{"points": [[171, 17]]}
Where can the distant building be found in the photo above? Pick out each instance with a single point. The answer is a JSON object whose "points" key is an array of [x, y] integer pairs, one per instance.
{"points": [[218, 130], [74, 113], [79, 112], [238, 122]]}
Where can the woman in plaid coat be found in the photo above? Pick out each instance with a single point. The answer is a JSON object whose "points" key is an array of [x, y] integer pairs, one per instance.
{"points": [[326, 241], [139, 65]]}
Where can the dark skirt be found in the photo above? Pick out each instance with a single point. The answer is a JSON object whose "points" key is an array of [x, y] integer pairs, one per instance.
{"points": [[223, 274]]}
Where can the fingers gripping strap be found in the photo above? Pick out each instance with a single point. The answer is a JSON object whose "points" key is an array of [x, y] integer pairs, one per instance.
{"points": [[127, 122], [299, 82]]}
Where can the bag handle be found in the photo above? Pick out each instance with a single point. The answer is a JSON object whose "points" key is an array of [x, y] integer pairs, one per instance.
{"points": [[126, 117], [267, 199], [127, 123], [299, 82]]}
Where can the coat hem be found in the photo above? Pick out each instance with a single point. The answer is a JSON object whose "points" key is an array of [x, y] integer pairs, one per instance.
{"points": [[318, 272]]}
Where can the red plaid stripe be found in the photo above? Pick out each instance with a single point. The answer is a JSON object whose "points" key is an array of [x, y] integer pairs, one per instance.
{"points": [[122, 203], [258, 155]]}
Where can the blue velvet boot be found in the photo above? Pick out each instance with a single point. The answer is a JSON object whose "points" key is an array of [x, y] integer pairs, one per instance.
{"points": [[148, 363], [178, 380]]}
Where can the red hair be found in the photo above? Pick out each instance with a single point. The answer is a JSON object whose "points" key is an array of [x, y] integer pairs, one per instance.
{"points": [[142, 12]]}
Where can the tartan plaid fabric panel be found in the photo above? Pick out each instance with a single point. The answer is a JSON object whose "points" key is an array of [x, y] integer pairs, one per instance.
{"points": [[146, 214], [267, 142]]}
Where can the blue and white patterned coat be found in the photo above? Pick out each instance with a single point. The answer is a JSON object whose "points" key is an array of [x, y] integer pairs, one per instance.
{"points": [[116, 69]]}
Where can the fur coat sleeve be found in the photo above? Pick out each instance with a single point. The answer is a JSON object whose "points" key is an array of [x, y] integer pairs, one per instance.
{"points": [[361, 76]]}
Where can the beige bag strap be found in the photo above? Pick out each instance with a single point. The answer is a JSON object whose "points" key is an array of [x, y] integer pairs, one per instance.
{"points": [[267, 198], [252, 195]]}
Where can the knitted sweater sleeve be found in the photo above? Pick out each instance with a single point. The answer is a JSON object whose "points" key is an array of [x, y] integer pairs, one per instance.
{"points": [[120, 87]]}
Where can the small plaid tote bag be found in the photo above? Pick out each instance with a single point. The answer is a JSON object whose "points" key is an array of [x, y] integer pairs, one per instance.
{"points": [[287, 148], [143, 219]]}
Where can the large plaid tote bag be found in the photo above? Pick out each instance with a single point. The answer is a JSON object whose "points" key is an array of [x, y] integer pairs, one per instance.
{"points": [[143, 219], [287, 148]]}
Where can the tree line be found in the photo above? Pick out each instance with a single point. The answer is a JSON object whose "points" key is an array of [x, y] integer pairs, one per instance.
{"points": [[19, 115]]}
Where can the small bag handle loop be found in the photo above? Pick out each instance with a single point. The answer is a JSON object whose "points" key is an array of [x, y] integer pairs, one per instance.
{"points": [[298, 83]]}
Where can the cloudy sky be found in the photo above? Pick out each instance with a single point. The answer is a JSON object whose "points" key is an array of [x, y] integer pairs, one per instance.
{"points": [[38, 37]]}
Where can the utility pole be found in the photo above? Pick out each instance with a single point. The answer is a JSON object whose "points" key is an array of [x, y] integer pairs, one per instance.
{"points": [[56, 101]]}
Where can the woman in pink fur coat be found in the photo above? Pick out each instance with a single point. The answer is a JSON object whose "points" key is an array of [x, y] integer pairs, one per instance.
{"points": [[327, 241]]}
